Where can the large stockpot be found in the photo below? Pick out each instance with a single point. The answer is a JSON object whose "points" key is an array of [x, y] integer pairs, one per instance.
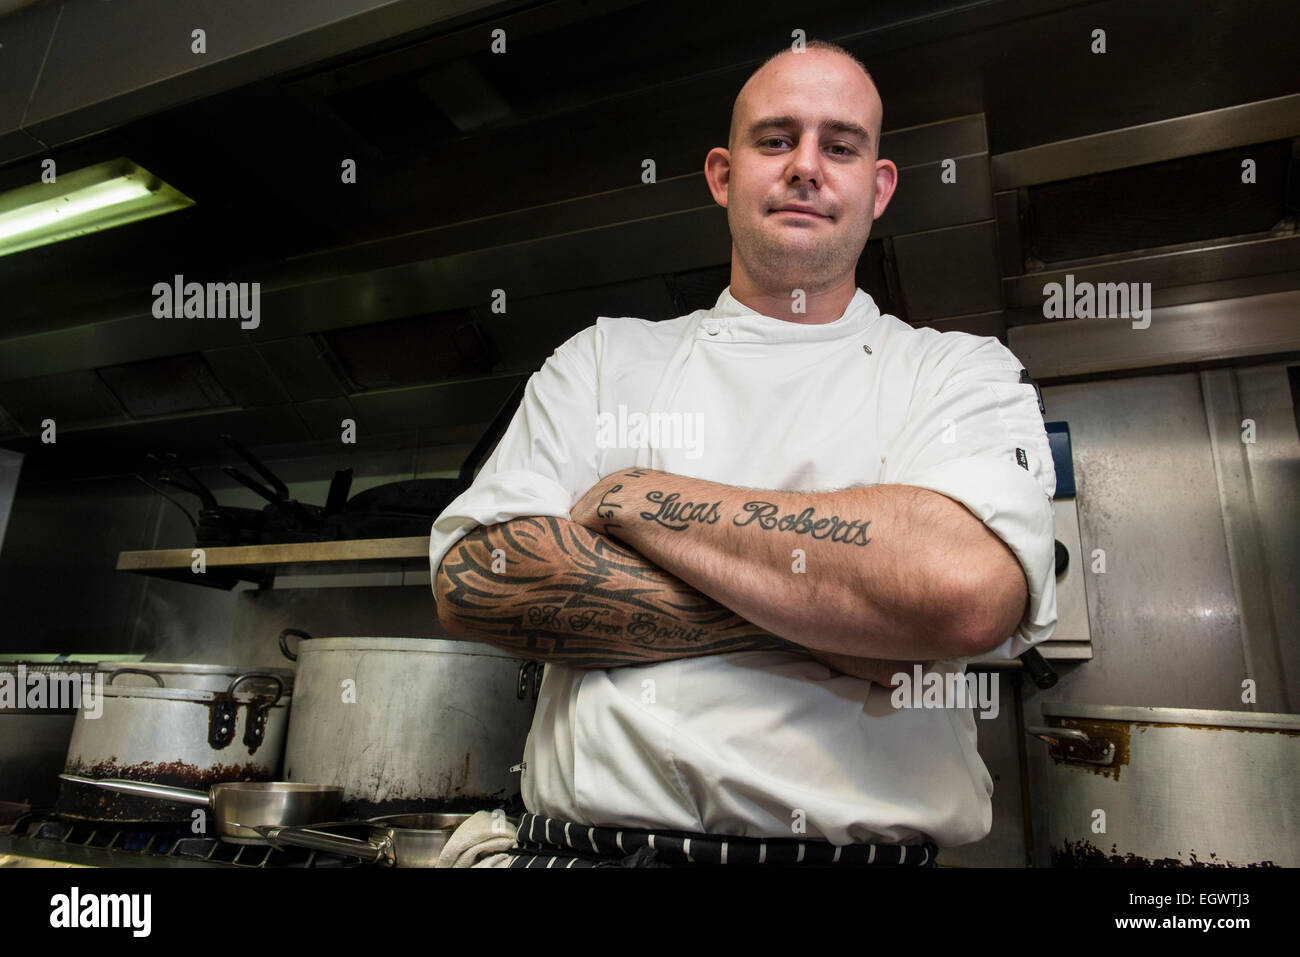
{"points": [[409, 725], [180, 736], [1177, 787]]}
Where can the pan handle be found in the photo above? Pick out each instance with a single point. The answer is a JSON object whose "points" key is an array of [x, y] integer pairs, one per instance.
{"points": [[164, 791], [380, 851]]}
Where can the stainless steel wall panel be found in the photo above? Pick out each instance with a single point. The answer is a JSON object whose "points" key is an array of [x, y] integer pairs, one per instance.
{"points": [[1167, 269], [1197, 332], [610, 254], [923, 201], [1274, 461], [1261, 521], [1164, 616], [1271, 119], [948, 272]]}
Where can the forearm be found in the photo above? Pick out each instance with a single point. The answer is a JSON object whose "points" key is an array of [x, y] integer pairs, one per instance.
{"points": [[877, 571], [559, 592]]}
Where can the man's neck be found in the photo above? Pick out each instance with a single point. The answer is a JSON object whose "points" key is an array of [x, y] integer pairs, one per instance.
{"points": [[813, 308]]}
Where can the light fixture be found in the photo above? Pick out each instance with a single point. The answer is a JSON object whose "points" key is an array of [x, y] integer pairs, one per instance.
{"points": [[84, 201]]}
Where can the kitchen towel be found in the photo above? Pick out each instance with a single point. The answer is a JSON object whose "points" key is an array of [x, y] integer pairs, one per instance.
{"points": [[480, 842]]}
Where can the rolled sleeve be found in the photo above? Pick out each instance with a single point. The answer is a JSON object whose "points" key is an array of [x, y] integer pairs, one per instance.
{"points": [[962, 438], [545, 461]]}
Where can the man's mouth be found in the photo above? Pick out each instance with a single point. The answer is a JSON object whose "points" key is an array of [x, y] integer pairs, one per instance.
{"points": [[797, 209]]}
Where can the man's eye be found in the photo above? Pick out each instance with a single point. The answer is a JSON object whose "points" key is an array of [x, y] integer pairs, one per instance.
{"points": [[847, 151], [773, 139]]}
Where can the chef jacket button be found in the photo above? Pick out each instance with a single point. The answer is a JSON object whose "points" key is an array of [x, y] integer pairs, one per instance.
{"points": [[711, 329]]}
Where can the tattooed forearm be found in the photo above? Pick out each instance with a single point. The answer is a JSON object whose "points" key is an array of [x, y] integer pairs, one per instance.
{"points": [[559, 592], [881, 571]]}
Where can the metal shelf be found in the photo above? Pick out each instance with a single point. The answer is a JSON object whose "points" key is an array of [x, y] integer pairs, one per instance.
{"points": [[225, 566]]}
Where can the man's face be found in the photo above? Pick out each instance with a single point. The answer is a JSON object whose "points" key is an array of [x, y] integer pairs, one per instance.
{"points": [[805, 134]]}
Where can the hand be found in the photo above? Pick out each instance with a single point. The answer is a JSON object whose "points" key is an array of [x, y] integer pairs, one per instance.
{"points": [[602, 507], [879, 670]]}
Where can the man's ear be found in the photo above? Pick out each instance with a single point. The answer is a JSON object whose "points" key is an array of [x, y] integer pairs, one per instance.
{"points": [[717, 170], [886, 183]]}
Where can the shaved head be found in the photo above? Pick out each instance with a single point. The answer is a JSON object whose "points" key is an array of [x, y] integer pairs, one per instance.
{"points": [[738, 108]]}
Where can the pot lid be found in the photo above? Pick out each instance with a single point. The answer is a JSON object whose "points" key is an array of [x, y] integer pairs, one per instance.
{"points": [[441, 646], [190, 668]]}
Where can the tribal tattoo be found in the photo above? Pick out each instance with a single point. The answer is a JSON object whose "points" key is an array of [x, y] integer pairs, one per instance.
{"points": [[569, 595]]}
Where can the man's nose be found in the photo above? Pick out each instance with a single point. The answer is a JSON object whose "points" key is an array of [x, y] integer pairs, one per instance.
{"points": [[806, 163]]}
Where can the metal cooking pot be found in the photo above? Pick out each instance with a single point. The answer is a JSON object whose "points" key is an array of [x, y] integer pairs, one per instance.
{"points": [[175, 736], [408, 724], [1177, 787], [239, 807], [398, 840]]}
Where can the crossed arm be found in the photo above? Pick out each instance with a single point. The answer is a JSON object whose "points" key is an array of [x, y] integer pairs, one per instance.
{"points": [[655, 566]]}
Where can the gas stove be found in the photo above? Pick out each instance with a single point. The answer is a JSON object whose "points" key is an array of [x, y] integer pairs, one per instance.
{"points": [[41, 837]]}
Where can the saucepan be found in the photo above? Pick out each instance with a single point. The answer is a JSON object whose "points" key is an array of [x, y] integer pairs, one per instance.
{"points": [[395, 840], [239, 807]]}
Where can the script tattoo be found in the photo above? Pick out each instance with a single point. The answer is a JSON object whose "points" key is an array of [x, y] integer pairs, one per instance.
{"points": [[607, 508], [676, 515], [574, 597], [767, 517]]}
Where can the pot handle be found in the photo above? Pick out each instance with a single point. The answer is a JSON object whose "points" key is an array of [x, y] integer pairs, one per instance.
{"points": [[284, 645], [279, 684], [530, 674], [1074, 745], [222, 716], [163, 791], [135, 671], [375, 851]]}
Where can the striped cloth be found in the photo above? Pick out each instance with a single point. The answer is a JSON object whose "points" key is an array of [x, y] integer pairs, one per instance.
{"points": [[549, 842]]}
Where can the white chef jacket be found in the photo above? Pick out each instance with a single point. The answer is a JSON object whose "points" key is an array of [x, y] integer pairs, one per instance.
{"points": [[762, 743]]}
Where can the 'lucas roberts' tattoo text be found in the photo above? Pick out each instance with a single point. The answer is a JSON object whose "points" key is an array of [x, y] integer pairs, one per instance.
{"points": [[767, 516], [674, 514]]}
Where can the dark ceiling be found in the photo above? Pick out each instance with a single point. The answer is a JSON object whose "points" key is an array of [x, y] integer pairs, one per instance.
{"points": [[521, 171]]}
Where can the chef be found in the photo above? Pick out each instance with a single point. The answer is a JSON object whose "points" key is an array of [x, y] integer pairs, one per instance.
{"points": [[722, 609]]}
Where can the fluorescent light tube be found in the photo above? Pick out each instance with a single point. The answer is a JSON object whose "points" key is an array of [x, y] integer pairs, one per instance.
{"points": [[84, 201]]}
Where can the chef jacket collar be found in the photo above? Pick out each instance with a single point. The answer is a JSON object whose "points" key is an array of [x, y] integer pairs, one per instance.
{"points": [[731, 321]]}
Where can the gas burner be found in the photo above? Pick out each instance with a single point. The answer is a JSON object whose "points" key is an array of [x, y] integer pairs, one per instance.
{"points": [[42, 834]]}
